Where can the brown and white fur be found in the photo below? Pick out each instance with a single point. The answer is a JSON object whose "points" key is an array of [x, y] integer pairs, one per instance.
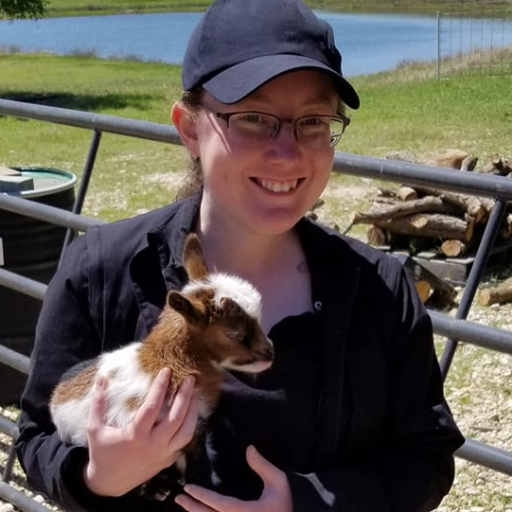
{"points": [[211, 325]]}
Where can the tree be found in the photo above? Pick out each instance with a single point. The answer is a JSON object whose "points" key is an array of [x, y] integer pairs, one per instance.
{"points": [[13, 9]]}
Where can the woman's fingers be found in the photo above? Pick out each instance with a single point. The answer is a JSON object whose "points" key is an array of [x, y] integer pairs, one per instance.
{"points": [[272, 477], [178, 425], [96, 418], [200, 499], [185, 432], [276, 495], [149, 412]]}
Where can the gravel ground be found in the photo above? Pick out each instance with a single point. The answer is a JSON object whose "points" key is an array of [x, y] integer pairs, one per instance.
{"points": [[477, 387]]}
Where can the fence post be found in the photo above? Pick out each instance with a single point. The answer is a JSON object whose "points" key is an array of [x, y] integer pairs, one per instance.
{"points": [[438, 45]]}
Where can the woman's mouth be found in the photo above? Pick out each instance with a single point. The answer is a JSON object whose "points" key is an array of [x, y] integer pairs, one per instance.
{"points": [[280, 187]]}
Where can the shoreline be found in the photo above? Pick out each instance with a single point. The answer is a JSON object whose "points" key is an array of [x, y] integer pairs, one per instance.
{"points": [[62, 8]]}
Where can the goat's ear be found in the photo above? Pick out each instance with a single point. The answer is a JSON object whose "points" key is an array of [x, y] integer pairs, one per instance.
{"points": [[193, 258], [183, 305]]}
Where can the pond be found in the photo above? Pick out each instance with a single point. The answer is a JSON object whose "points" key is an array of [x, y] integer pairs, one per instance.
{"points": [[369, 43]]}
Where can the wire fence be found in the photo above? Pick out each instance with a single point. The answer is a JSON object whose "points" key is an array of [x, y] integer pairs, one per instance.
{"points": [[475, 37]]}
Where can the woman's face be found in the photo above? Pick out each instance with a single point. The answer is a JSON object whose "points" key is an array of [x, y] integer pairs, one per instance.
{"points": [[264, 189]]}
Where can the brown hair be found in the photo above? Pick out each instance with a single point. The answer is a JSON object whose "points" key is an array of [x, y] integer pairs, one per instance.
{"points": [[193, 179]]}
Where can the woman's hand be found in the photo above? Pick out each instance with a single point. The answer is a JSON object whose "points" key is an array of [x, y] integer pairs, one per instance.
{"points": [[276, 495], [120, 459]]}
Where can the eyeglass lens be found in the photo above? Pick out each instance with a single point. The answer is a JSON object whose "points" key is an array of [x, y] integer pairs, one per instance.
{"points": [[254, 129]]}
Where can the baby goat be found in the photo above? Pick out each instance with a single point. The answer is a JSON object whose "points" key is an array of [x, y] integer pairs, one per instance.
{"points": [[211, 325]]}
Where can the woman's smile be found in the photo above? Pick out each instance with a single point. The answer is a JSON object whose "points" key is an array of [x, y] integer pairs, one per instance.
{"points": [[280, 187]]}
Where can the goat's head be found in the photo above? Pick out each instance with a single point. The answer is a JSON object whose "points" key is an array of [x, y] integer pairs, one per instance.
{"points": [[227, 334], [225, 310]]}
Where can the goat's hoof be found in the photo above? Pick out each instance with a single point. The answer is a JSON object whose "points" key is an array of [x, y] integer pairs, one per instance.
{"points": [[161, 495]]}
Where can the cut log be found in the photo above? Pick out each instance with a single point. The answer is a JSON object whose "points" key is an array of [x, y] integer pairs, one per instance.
{"points": [[407, 194], [498, 166], [469, 163], [477, 207], [455, 248], [385, 200], [435, 288], [424, 290], [383, 213], [376, 236], [496, 295], [430, 225], [453, 159], [506, 227]]}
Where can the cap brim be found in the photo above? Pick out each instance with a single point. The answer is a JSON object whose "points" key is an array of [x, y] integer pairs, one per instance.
{"points": [[240, 80]]}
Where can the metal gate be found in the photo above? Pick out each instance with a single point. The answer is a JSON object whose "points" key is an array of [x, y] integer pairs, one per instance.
{"points": [[454, 329]]}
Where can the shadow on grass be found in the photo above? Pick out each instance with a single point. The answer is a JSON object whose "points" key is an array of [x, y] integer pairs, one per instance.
{"points": [[81, 101]]}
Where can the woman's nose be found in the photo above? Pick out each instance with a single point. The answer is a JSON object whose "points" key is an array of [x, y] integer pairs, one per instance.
{"points": [[284, 145]]}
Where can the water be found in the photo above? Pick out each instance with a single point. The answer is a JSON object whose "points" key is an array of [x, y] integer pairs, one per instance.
{"points": [[369, 43]]}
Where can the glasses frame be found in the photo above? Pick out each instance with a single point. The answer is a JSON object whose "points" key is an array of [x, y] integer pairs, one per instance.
{"points": [[345, 121]]}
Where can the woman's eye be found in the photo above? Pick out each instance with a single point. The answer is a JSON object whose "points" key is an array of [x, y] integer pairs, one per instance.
{"points": [[312, 121], [251, 118]]}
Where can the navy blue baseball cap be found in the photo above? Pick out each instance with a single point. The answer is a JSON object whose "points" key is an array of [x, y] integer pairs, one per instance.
{"points": [[239, 45]]}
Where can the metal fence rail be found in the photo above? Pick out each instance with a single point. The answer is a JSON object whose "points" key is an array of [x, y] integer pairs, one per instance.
{"points": [[454, 329]]}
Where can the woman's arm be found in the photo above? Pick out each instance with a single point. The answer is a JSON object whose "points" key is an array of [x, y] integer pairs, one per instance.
{"points": [[65, 335], [411, 467], [69, 331]]}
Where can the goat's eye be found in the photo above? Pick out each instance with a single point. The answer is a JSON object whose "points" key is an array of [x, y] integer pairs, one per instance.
{"points": [[235, 335], [238, 337]]}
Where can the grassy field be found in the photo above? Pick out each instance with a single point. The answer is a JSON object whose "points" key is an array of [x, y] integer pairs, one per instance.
{"points": [[407, 111], [91, 7]]}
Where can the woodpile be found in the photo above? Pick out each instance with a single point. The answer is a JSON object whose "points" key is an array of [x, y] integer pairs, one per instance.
{"points": [[428, 219]]}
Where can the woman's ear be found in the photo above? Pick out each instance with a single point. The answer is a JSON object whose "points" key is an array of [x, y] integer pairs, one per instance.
{"points": [[185, 124]]}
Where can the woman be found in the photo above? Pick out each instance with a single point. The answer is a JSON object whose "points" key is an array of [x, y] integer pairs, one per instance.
{"points": [[351, 416]]}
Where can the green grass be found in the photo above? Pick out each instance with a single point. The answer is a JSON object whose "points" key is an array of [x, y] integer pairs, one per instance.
{"points": [[404, 111], [126, 167], [470, 112], [94, 7]]}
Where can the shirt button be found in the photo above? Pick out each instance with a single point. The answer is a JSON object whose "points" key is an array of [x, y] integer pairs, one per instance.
{"points": [[317, 305]]}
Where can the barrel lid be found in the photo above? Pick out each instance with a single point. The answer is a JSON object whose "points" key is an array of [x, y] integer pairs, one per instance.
{"points": [[31, 182]]}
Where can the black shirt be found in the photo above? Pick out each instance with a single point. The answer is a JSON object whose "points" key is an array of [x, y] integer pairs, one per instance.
{"points": [[282, 400]]}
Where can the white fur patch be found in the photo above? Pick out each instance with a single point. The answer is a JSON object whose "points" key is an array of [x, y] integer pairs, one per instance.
{"points": [[233, 287], [129, 382]]}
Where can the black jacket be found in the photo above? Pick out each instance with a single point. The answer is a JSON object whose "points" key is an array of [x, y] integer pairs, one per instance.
{"points": [[385, 437]]}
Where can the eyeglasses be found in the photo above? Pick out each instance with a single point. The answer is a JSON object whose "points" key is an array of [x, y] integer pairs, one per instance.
{"points": [[255, 129]]}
